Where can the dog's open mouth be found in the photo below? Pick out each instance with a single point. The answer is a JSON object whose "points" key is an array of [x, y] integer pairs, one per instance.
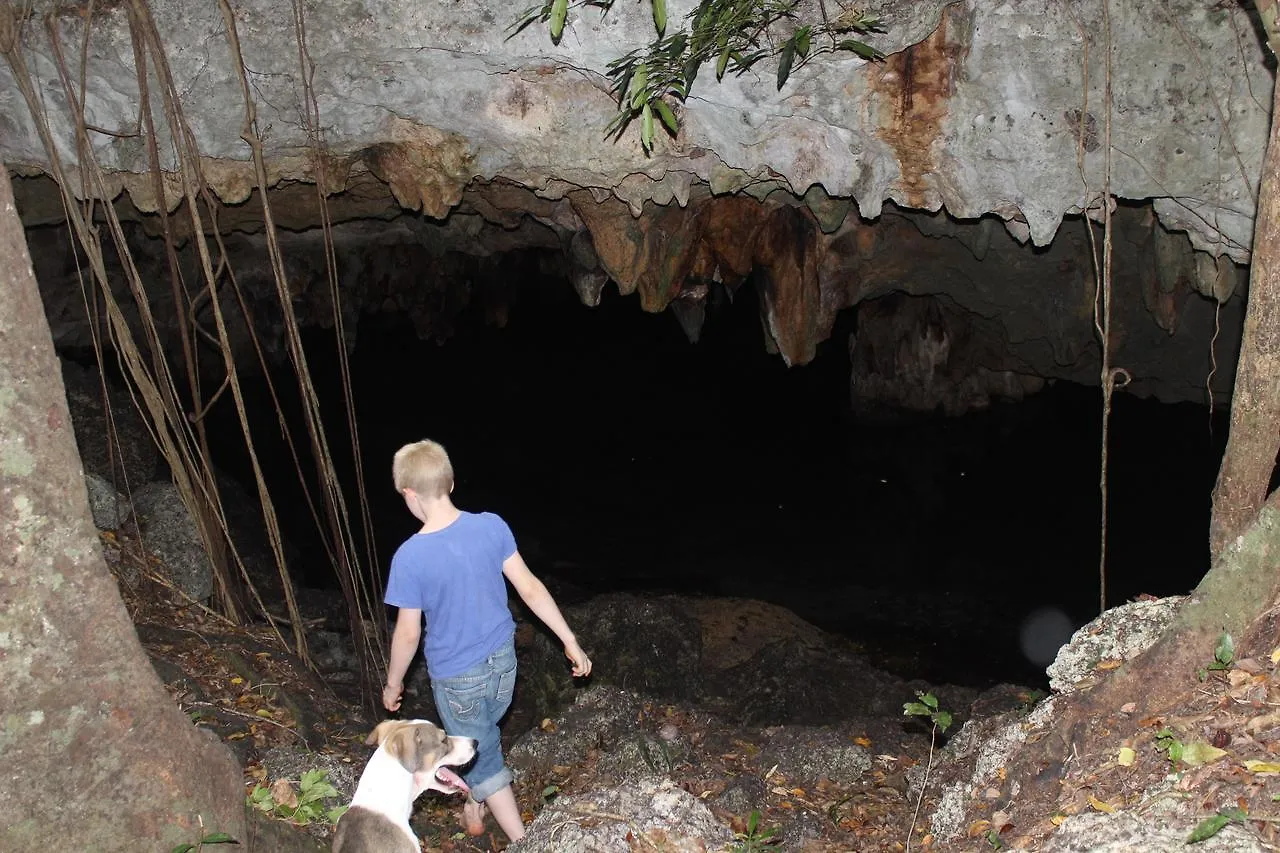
{"points": [[447, 777]]}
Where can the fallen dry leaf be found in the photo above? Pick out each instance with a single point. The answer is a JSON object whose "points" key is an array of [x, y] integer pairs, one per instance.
{"points": [[282, 792], [1262, 722], [1101, 806], [1262, 766], [979, 827]]}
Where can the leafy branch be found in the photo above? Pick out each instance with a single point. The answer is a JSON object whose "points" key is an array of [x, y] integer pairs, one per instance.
{"points": [[941, 721], [651, 82]]}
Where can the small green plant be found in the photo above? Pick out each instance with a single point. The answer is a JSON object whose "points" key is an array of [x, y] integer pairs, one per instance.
{"points": [[928, 707], [1224, 654], [1212, 826], [1168, 743], [755, 838], [941, 721], [207, 838], [304, 807]]}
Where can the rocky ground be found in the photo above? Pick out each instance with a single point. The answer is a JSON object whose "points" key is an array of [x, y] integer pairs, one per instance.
{"points": [[705, 712], [701, 713]]}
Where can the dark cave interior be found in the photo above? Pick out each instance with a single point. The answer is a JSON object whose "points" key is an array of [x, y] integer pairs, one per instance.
{"points": [[625, 457]]}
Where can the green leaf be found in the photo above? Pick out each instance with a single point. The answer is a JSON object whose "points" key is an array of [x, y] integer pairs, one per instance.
{"points": [[619, 123], [559, 12], [218, 838], [915, 709], [646, 132], [660, 15], [929, 699], [667, 116], [1225, 651], [1198, 753], [943, 719], [260, 798], [1168, 742], [691, 66], [676, 46], [866, 51], [184, 848], [752, 822], [336, 812], [802, 37], [311, 778], [639, 80], [722, 63], [527, 17], [785, 62], [1210, 827]]}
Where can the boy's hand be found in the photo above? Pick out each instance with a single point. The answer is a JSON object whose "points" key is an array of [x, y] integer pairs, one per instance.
{"points": [[391, 696], [581, 663]]}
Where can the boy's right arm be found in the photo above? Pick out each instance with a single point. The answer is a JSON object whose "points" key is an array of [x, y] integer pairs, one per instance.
{"points": [[404, 645], [534, 593]]}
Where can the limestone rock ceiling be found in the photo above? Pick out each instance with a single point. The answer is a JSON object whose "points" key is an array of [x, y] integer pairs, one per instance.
{"points": [[986, 110]]}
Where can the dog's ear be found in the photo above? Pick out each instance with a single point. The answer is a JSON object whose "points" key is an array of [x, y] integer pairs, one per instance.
{"points": [[416, 746], [381, 731]]}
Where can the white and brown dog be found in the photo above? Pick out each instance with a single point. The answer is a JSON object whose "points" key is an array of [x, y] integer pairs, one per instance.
{"points": [[412, 756]]}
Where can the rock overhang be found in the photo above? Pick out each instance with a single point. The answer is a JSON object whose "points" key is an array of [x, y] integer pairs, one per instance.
{"points": [[987, 111], [981, 107]]}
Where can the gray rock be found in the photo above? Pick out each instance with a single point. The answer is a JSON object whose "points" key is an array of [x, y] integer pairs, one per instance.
{"points": [[1118, 634], [647, 646], [981, 748], [332, 652], [656, 813], [797, 682], [170, 534], [743, 796], [1151, 833], [805, 755], [642, 754], [108, 507], [118, 447], [600, 715], [287, 762]]}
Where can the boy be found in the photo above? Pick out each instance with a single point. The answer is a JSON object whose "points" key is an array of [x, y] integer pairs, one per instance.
{"points": [[452, 570]]}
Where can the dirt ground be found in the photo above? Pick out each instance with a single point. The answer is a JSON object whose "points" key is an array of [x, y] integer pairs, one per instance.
{"points": [[1216, 754]]}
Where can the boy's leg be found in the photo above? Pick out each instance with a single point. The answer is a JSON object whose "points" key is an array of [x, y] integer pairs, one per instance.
{"points": [[506, 812], [471, 705]]}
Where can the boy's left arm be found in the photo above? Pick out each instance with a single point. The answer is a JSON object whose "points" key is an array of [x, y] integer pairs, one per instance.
{"points": [[404, 645], [534, 594]]}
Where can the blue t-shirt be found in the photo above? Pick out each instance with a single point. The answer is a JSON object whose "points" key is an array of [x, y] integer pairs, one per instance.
{"points": [[455, 577]]}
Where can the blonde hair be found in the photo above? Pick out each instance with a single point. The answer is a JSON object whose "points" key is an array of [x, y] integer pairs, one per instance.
{"points": [[424, 467]]}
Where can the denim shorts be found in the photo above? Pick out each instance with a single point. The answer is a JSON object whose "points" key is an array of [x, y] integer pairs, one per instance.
{"points": [[470, 705]]}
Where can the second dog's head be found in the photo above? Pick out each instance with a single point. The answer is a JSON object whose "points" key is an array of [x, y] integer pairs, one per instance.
{"points": [[426, 751]]}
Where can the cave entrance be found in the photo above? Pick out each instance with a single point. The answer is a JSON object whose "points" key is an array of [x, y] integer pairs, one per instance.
{"points": [[958, 549]]}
